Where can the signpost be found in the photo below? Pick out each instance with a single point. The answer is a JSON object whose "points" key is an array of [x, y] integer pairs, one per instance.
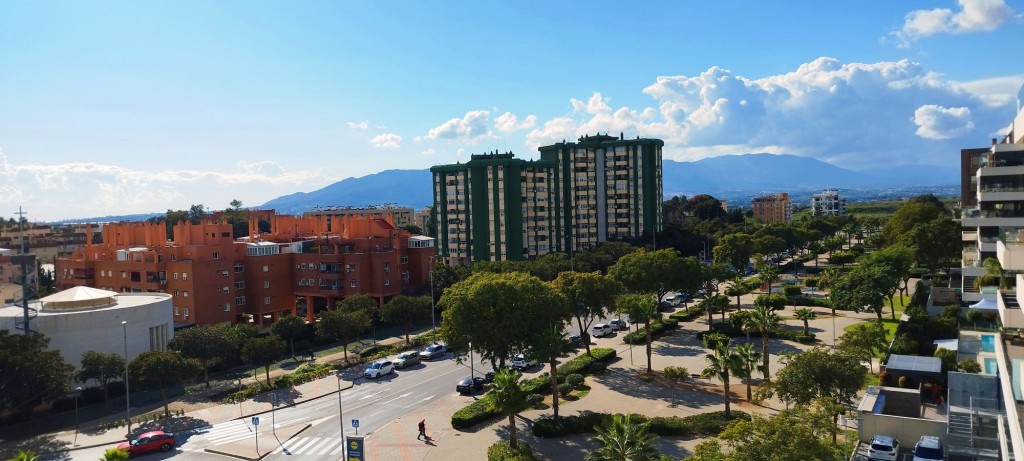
{"points": [[355, 448], [355, 424], [256, 426]]}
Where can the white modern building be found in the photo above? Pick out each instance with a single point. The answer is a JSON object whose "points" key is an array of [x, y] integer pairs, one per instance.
{"points": [[81, 319], [828, 203]]}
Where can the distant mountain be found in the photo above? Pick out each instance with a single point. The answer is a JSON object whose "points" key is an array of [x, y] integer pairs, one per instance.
{"points": [[735, 176]]}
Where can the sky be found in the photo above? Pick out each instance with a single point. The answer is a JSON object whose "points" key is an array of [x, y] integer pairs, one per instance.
{"points": [[110, 108]]}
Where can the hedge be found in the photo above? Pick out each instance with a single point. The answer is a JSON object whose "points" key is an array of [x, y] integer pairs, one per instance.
{"points": [[501, 451], [809, 301], [700, 425], [477, 412], [303, 374], [687, 315], [732, 331], [657, 329]]}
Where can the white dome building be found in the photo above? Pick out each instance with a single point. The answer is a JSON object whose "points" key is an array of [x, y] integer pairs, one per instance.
{"points": [[84, 319]]}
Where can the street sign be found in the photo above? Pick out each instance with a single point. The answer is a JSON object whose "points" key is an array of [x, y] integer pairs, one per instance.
{"points": [[255, 420], [355, 449], [355, 423]]}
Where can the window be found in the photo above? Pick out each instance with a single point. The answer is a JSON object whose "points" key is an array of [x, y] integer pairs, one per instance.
{"points": [[239, 268], [405, 276], [175, 276], [387, 282], [240, 285], [227, 307], [184, 275], [185, 313], [177, 311], [303, 266], [266, 300], [225, 290], [184, 294], [266, 284], [175, 293], [405, 260], [352, 283], [124, 274], [387, 268], [224, 273], [216, 255], [266, 268], [239, 300]]}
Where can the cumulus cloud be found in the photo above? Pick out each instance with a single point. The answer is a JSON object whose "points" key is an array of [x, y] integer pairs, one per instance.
{"points": [[937, 122], [473, 127], [509, 122], [87, 189], [852, 114], [971, 16], [387, 141], [365, 124]]}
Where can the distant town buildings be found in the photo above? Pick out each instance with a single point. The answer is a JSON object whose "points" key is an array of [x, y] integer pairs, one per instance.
{"points": [[773, 208], [828, 203], [577, 195], [402, 216], [302, 266]]}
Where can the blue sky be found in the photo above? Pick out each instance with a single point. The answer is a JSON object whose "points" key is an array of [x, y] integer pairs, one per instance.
{"points": [[128, 107]]}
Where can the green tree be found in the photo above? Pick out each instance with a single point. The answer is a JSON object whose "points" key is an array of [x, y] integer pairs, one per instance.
{"points": [[735, 250], [722, 364], [764, 320], [500, 314], [587, 296], [290, 327], [547, 267], [104, 368], [264, 351], [238, 217], [26, 455], [196, 213], [911, 214], [775, 301], [207, 343], [343, 325], [652, 272], [748, 359], [640, 308], [406, 311], [937, 243], [113, 454], [738, 287], [508, 399], [158, 370], [795, 434], [768, 275], [626, 439], [863, 287], [29, 372], [863, 340], [805, 315], [994, 275], [715, 303]]}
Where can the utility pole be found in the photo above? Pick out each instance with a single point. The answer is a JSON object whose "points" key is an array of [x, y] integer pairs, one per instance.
{"points": [[24, 270]]}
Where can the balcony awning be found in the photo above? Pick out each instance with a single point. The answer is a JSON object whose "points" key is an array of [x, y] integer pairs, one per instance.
{"points": [[985, 304]]}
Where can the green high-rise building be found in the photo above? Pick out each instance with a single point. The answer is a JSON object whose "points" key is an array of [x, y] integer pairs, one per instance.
{"points": [[579, 194]]}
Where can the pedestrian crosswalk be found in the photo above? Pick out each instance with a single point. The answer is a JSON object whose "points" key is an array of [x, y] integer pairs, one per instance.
{"points": [[233, 431], [312, 446]]}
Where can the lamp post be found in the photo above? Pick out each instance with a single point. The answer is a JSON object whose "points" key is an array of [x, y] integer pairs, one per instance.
{"points": [[127, 394], [341, 419], [472, 379], [433, 313], [78, 390]]}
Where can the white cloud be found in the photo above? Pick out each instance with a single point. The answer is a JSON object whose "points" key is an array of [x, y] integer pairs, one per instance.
{"points": [[430, 152], [852, 114], [509, 122], [474, 126], [386, 140], [937, 122], [972, 16], [365, 124], [84, 189]]}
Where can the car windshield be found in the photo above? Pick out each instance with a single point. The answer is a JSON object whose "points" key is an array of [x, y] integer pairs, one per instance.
{"points": [[880, 447], [928, 453], [375, 365]]}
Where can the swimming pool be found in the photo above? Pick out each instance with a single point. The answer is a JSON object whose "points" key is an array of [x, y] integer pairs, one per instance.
{"points": [[988, 343], [990, 366]]}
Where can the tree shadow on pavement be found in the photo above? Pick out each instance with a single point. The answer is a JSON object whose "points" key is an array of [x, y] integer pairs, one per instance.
{"points": [[678, 345], [285, 396], [626, 382], [40, 445]]}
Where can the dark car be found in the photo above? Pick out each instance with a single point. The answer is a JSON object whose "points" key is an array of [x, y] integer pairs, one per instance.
{"points": [[433, 351], [148, 442], [576, 340], [463, 386]]}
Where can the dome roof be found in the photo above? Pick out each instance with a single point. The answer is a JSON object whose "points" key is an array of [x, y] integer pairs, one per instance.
{"points": [[77, 298]]}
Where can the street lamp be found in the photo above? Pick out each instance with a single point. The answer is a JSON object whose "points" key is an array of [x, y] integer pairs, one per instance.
{"points": [[433, 313], [472, 379], [78, 390], [341, 419], [127, 394]]}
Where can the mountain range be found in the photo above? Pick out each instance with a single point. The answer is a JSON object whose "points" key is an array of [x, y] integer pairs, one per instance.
{"points": [[730, 177]]}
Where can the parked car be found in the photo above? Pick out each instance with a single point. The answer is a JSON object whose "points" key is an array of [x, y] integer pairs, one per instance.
{"points": [[520, 362], [600, 330], [407, 358], [884, 448], [618, 324], [433, 351], [463, 386], [379, 368], [489, 376], [148, 442], [929, 448], [576, 340]]}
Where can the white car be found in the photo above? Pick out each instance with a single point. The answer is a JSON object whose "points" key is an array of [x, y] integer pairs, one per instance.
{"points": [[884, 448], [379, 368], [433, 351], [618, 324], [519, 362], [600, 330], [929, 448]]}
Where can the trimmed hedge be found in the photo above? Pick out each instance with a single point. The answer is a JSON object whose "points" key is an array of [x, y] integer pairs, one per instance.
{"points": [[809, 301], [700, 425], [477, 412], [303, 374], [501, 451], [657, 329], [732, 331], [687, 315]]}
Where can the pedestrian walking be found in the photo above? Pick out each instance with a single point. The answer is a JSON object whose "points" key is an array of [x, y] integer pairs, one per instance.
{"points": [[423, 430]]}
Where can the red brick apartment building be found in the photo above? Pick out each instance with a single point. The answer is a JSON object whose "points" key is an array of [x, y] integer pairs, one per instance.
{"points": [[303, 266]]}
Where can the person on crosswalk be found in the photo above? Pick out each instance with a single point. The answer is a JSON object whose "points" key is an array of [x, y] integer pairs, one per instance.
{"points": [[423, 430]]}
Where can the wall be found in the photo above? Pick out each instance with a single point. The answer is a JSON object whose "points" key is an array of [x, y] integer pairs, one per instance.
{"points": [[906, 430]]}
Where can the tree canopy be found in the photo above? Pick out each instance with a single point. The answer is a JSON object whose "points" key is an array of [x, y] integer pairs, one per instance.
{"points": [[29, 373], [160, 370]]}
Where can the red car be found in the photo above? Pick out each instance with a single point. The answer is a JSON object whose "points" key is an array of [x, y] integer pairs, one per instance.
{"points": [[148, 442]]}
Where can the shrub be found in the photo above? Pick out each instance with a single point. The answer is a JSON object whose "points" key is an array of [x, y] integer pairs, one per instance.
{"points": [[565, 389], [534, 400], [687, 315], [676, 373], [902, 344], [473, 413], [657, 329], [791, 291], [947, 357], [969, 366], [574, 380], [884, 378], [715, 339], [597, 367], [811, 282], [700, 425], [950, 312], [501, 451], [811, 302], [974, 315], [905, 382]]}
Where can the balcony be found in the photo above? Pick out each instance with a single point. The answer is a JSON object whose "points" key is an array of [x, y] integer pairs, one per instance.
{"points": [[1010, 250]]}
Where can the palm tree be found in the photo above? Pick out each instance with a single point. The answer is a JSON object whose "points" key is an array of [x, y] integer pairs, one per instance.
{"points": [[748, 358], [993, 274], [737, 287], [508, 398], [113, 454], [721, 365], [768, 275], [550, 348], [766, 321], [624, 440], [27, 455], [805, 315]]}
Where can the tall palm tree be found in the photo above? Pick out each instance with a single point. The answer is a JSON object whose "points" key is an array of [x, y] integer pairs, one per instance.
{"points": [[804, 314], [768, 275], [508, 398], [764, 320], [624, 440], [748, 359], [550, 348], [737, 287], [721, 365], [994, 274]]}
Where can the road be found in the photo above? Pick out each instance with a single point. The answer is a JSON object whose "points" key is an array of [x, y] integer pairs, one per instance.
{"points": [[374, 402]]}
